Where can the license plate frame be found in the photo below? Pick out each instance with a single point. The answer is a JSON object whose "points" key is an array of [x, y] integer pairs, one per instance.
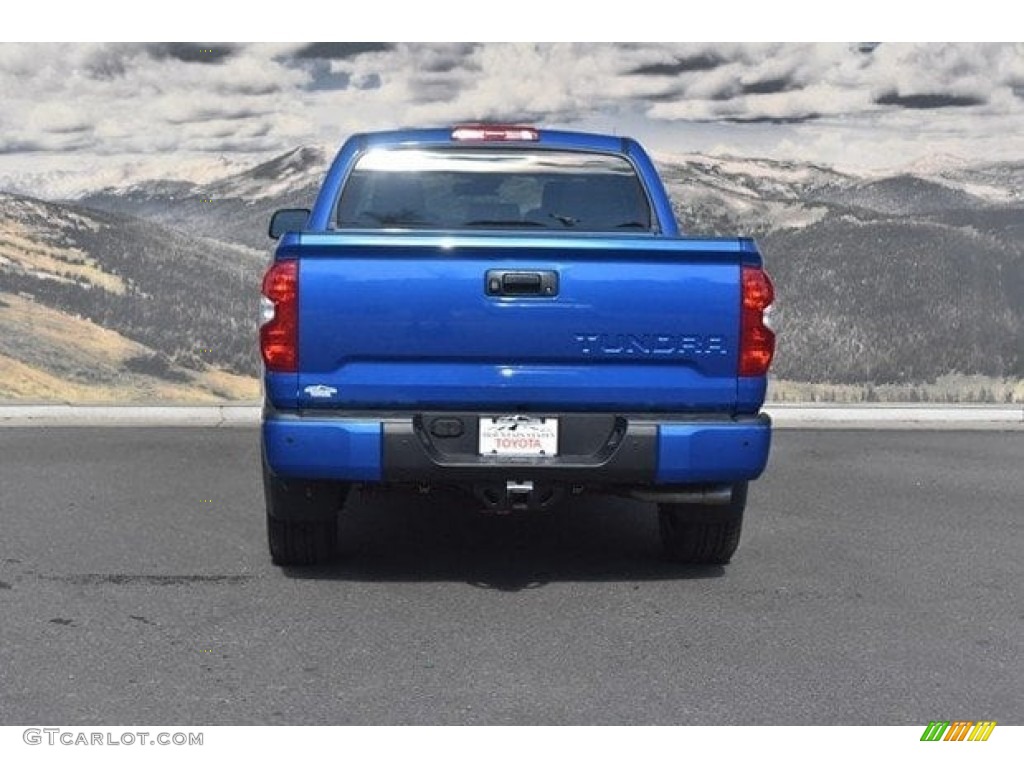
{"points": [[517, 435]]}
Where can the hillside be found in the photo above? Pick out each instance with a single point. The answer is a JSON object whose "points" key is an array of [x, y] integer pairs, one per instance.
{"points": [[899, 279], [234, 208], [892, 278], [172, 309], [896, 300], [48, 355]]}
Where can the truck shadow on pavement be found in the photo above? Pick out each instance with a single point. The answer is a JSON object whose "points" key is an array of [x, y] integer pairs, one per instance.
{"points": [[395, 536]]}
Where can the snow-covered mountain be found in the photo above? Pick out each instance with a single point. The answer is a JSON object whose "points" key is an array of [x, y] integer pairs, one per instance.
{"points": [[994, 182], [55, 178], [252, 178], [711, 194], [234, 208], [279, 177], [757, 196]]}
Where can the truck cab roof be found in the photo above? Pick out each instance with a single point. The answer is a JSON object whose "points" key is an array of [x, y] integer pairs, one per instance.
{"points": [[548, 139]]}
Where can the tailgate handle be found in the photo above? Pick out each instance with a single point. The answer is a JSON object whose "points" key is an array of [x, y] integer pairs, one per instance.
{"points": [[502, 282]]}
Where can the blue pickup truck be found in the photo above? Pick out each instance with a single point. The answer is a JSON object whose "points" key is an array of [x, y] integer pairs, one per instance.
{"points": [[512, 312]]}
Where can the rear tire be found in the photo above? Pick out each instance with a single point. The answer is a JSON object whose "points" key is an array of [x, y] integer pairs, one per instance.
{"points": [[702, 534], [301, 543], [302, 518]]}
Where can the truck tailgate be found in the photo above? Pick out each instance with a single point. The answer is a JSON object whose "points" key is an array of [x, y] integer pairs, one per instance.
{"points": [[392, 320]]}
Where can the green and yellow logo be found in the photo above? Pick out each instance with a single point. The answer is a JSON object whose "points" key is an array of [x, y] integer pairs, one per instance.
{"points": [[958, 730]]}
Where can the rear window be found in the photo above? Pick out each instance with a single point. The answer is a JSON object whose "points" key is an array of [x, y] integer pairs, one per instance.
{"points": [[460, 188]]}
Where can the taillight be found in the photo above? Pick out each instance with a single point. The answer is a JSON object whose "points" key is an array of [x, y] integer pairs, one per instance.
{"points": [[279, 333], [484, 132], [757, 340]]}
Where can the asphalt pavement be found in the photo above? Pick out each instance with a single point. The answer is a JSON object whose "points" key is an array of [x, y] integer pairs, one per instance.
{"points": [[879, 581]]}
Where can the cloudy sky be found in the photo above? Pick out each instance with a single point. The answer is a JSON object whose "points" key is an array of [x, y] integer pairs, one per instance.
{"points": [[857, 105]]}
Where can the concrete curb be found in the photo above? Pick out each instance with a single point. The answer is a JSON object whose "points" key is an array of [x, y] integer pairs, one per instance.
{"points": [[897, 416], [130, 415], [784, 416]]}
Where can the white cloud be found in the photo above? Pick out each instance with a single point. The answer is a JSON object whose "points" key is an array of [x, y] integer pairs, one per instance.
{"points": [[807, 99]]}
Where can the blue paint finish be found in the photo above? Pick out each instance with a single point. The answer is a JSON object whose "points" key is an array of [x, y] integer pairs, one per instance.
{"points": [[331, 449], [521, 387], [455, 244], [401, 319], [656, 193], [750, 255], [709, 453], [406, 328], [750, 393], [282, 389]]}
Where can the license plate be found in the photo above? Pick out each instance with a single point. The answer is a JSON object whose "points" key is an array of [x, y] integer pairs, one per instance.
{"points": [[518, 436]]}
